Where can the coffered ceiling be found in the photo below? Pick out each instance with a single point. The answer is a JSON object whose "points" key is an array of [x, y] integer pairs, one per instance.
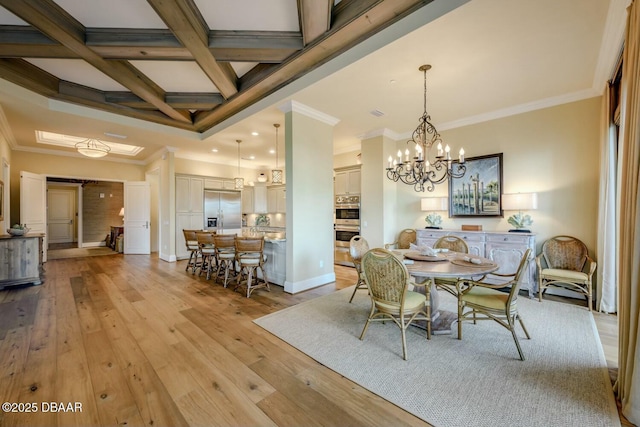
{"points": [[197, 75]]}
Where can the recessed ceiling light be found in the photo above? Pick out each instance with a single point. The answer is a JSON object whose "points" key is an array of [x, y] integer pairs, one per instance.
{"points": [[254, 133], [272, 151], [392, 81], [215, 150]]}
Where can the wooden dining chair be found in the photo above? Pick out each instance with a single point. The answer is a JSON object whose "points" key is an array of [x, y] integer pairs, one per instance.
{"points": [[225, 254], [191, 241], [207, 251], [250, 258]]}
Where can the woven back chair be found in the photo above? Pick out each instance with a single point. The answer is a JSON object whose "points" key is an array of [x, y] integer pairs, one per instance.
{"points": [[456, 244], [191, 242], [225, 254], [250, 258], [565, 262], [479, 300], [388, 281], [358, 246], [453, 243], [404, 240]]}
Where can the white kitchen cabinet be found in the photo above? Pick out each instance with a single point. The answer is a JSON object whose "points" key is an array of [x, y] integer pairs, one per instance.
{"points": [[189, 209], [219, 184], [347, 180], [247, 200], [260, 198], [505, 248], [276, 199]]}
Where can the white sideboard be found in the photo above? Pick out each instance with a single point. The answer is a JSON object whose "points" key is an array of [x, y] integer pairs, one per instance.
{"points": [[505, 248]]}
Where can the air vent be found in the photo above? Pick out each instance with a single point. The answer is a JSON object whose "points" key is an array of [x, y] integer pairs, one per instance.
{"points": [[376, 113]]}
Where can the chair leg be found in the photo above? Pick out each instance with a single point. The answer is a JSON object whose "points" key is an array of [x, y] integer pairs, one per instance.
{"points": [[366, 325], [512, 328], [404, 338], [523, 327], [190, 262], [459, 320], [589, 296]]}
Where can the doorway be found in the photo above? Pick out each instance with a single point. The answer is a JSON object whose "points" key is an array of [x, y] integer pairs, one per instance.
{"points": [[62, 215]]}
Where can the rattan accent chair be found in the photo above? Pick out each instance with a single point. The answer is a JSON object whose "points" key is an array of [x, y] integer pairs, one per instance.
{"points": [[456, 244], [388, 281], [207, 251], [225, 255], [483, 301], [250, 257], [565, 262], [404, 240], [191, 241], [358, 246]]}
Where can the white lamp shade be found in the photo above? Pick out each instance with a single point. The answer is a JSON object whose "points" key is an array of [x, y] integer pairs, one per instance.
{"points": [[433, 204], [121, 213], [520, 201]]}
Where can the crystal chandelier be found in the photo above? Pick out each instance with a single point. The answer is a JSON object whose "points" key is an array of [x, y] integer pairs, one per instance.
{"points": [[93, 148], [422, 171], [276, 174], [239, 181]]}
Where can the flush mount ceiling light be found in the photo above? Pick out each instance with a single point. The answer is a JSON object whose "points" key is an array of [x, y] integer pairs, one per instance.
{"points": [[276, 174], [93, 148], [423, 171], [239, 181]]}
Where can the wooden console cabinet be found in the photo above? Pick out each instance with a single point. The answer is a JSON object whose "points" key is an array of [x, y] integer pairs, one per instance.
{"points": [[505, 248], [20, 260]]}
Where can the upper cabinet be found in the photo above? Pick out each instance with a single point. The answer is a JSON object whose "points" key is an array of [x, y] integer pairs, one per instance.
{"points": [[247, 200], [189, 194], [347, 180], [219, 184], [276, 199], [260, 198]]}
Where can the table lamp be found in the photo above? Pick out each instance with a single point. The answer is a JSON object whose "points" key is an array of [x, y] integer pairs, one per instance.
{"points": [[520, 202], [121, 213], [433, 204]]}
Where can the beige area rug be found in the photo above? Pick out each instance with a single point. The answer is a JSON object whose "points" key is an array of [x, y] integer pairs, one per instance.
{"points": [[477, 381], [79, 252]]}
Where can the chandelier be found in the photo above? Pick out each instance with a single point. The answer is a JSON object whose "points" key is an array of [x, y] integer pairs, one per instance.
{"points": [[239, 181], [93, 148], [276, 174], [421, 170]]}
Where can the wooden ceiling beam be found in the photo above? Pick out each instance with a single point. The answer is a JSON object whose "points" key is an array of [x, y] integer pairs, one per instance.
{"points": [[30, 77], [351, 24], [179, 100], [58, 25], [19, 41], [184, 20], [315, 18]]}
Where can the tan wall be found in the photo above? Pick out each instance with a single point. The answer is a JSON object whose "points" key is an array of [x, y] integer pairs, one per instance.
{"points": [[5, 159], [100, 213], [68, 167], [553, 151]]}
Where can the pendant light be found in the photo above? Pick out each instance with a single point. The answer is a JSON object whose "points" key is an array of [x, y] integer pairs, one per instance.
{"points": [[239, 181], [276, 174]]}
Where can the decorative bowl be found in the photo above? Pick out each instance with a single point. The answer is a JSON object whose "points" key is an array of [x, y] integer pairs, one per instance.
{"points": [[18, 231]]}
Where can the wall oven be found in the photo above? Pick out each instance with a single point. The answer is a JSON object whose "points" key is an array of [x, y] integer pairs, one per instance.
{"points": [[347, 225], [347, 210]]}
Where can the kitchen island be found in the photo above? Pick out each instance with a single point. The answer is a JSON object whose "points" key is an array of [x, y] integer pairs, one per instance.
{"points": [[275, 245]]}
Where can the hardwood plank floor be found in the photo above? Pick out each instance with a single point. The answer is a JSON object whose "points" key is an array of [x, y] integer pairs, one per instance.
{"points": [[139, 341]]}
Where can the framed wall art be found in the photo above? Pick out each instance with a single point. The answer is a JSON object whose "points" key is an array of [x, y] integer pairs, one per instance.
{"points": [[477, 193]]}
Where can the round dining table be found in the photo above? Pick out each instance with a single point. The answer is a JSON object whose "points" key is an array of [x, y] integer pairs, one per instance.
{"points": [[446, 264]]}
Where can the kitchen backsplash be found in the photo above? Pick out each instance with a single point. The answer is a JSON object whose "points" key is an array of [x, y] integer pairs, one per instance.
{"points": [[275, 220]]}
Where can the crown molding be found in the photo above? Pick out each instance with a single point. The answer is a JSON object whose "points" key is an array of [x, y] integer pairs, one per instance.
{"points": [[297, 107]]}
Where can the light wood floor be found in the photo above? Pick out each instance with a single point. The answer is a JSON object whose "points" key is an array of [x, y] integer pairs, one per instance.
{"points": [[138, 341]]}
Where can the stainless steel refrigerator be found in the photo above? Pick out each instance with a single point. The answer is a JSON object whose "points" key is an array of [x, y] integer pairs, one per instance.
{"points": [[222, 210]]}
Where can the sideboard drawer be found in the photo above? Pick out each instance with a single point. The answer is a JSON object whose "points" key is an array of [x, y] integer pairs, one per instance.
{"points": [[469, 237], [508, 238]]}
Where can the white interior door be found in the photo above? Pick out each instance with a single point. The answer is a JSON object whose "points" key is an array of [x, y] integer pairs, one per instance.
{"points": [[137, 217], [61, 213], [33, 211]]}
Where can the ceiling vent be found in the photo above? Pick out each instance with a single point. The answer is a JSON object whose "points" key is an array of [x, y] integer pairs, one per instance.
{"points": [[376, 113]]}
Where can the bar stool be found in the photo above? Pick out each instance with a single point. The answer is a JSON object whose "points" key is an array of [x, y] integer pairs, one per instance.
{"points": [[225, 254], [207, 251], [191, 241], [250, 257]]}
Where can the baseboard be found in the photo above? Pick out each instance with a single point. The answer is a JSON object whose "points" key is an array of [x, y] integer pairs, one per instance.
{"points": [[304, 285], [167, 257], [94, 244]]}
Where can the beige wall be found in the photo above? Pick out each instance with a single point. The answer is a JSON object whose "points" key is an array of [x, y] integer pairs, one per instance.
{"points": [[68, 167], [553, 151], [5, 162]]}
